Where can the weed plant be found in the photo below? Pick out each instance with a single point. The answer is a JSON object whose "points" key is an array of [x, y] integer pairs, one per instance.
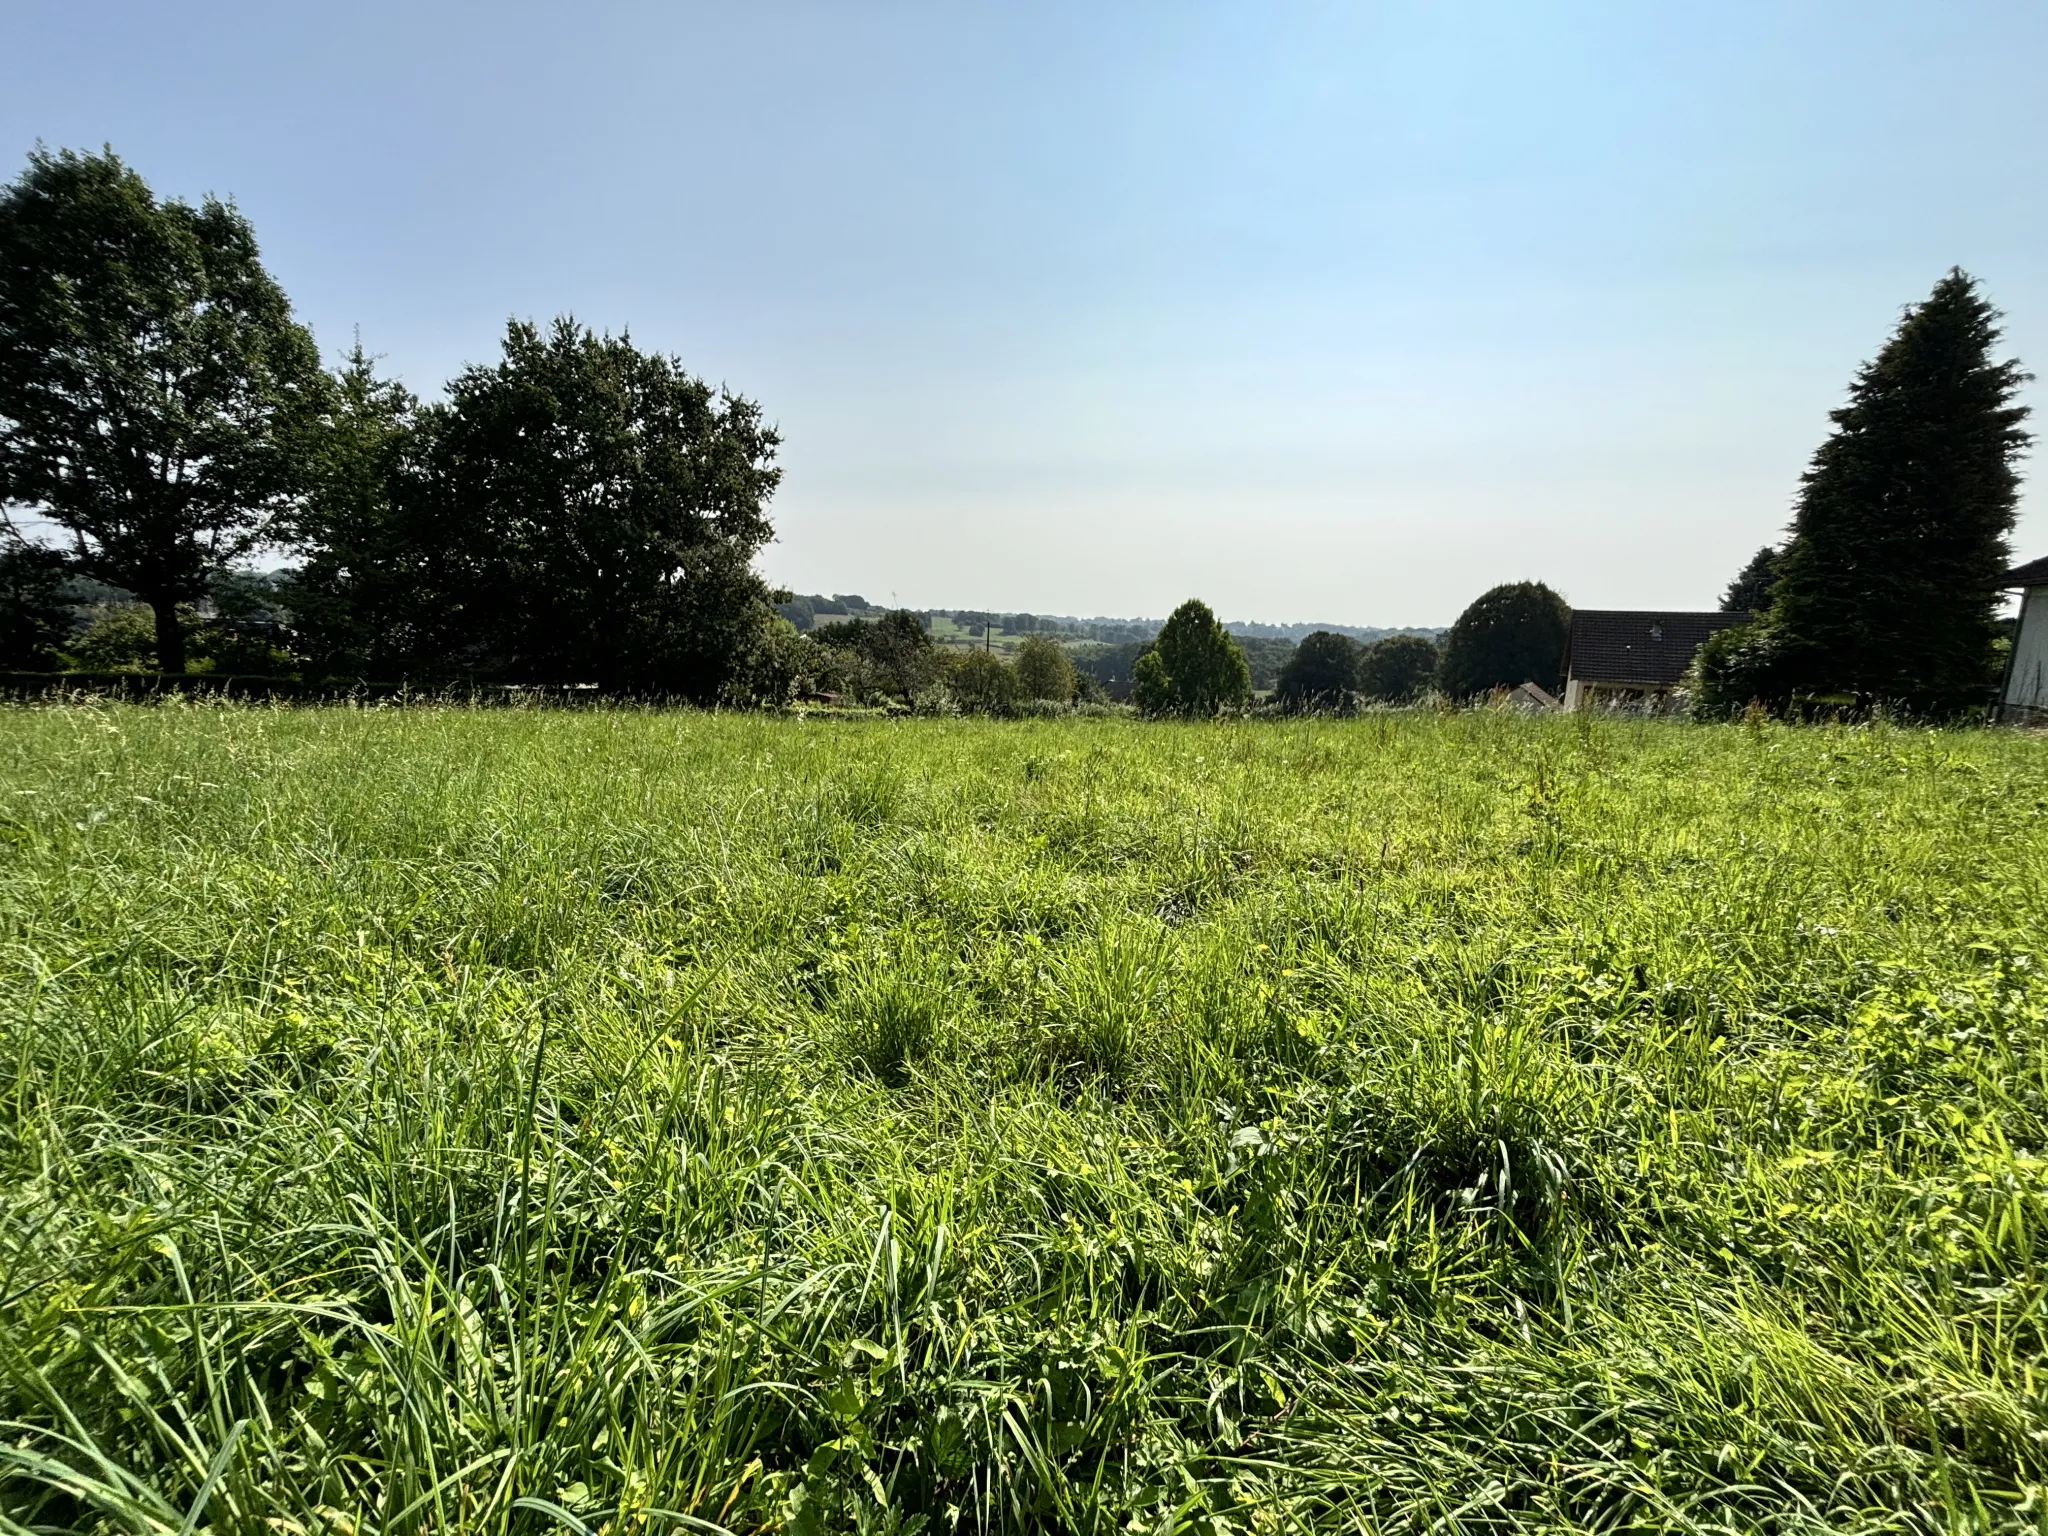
{"points": [[427, 1120]]}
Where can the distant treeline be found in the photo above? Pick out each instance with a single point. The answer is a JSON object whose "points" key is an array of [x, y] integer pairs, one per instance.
{"points": [[579, 513], [804, 610]]}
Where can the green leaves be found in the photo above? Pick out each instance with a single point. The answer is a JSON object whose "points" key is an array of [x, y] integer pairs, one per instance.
{"points": [[1193, 668], [157, 400]]}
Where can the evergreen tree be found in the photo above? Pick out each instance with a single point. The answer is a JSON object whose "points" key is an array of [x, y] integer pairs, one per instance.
{"points": [[1889, 589], [1321, 674], [1511, 635], [1750, 591], [363, 598]]}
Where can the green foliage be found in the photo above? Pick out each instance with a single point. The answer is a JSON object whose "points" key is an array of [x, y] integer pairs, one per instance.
{"points": [[1151, 689], [35, 621], [1321, 674], [363, 596], [981, 684], [120, 637], [426, 1119], [1193, 668], [156, 396], [1888, 591], [1264, 657], [1398, 669], [783, 666], [1513, 634], [895, 651], [1750, 591], [581, 511], [1045, 671], [1731, 672]]}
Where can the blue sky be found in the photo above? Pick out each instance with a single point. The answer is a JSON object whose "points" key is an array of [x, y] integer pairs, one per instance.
{"points": [[1316, 311]]}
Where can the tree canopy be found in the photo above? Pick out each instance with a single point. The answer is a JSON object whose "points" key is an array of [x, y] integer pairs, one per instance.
{"points": [[1750, 591], [981, 683], [155, 392], [580, 511], [1045, 670], [1194, 667], [1888, 591], [1397, 669], [1511, 635], [896, 648], [1321, 674]]}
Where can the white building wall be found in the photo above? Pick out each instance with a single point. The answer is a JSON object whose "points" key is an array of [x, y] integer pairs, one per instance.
{"points": [[2026, 684]]}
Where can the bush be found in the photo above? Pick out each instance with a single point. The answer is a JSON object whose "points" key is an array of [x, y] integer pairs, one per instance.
{"points": [[121, 637], [1734, 669]]}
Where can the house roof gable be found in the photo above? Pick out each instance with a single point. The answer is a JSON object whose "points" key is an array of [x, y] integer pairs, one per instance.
{"points": [[1639, 647], [2033, 574]]}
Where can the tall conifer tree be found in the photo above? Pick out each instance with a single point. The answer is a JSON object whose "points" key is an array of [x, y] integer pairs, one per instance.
{"points": [[1888, 589]]}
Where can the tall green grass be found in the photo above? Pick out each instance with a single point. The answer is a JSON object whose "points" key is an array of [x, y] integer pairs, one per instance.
{"points": [[421, 1120]]}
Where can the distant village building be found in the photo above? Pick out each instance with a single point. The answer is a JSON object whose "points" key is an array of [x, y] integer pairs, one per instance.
{"points": [[1638, 658], [2024, 698]]}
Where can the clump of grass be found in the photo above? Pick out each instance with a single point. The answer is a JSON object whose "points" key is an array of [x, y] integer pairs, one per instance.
{"points": [[424, 1119]]}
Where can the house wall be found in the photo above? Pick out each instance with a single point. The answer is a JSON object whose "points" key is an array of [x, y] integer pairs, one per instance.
{"points": [[2026, 682]]}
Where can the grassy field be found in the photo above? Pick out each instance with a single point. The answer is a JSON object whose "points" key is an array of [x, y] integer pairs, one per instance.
{"points": [[422, 1120]]}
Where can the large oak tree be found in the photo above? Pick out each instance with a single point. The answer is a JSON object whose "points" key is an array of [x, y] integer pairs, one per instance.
{"points": [[155, 391]]}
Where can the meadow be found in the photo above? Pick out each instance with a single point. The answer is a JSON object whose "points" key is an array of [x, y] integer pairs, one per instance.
{"points": [[445, 1120]]}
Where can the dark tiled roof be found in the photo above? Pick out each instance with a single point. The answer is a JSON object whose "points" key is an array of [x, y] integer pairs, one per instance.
{"points": [[1622, 645], [2033, 574]]}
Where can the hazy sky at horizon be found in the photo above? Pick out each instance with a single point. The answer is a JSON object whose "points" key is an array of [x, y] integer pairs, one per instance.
{"points": [[1338, 312]]}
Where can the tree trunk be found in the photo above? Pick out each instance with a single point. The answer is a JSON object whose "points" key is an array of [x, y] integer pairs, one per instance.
{"points": [[170, 634]]}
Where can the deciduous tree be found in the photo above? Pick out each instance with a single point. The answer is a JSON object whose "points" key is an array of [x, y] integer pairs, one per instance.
{"points": [[1511, 635], [155, 391], [579, 511], [1321, 674], [981, 683], [1044, 670], [1193, 668], [1397, 669], [34, 618]]}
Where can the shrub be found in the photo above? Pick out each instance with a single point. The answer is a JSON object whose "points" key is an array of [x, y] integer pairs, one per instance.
{"points": [[121, 637]]}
